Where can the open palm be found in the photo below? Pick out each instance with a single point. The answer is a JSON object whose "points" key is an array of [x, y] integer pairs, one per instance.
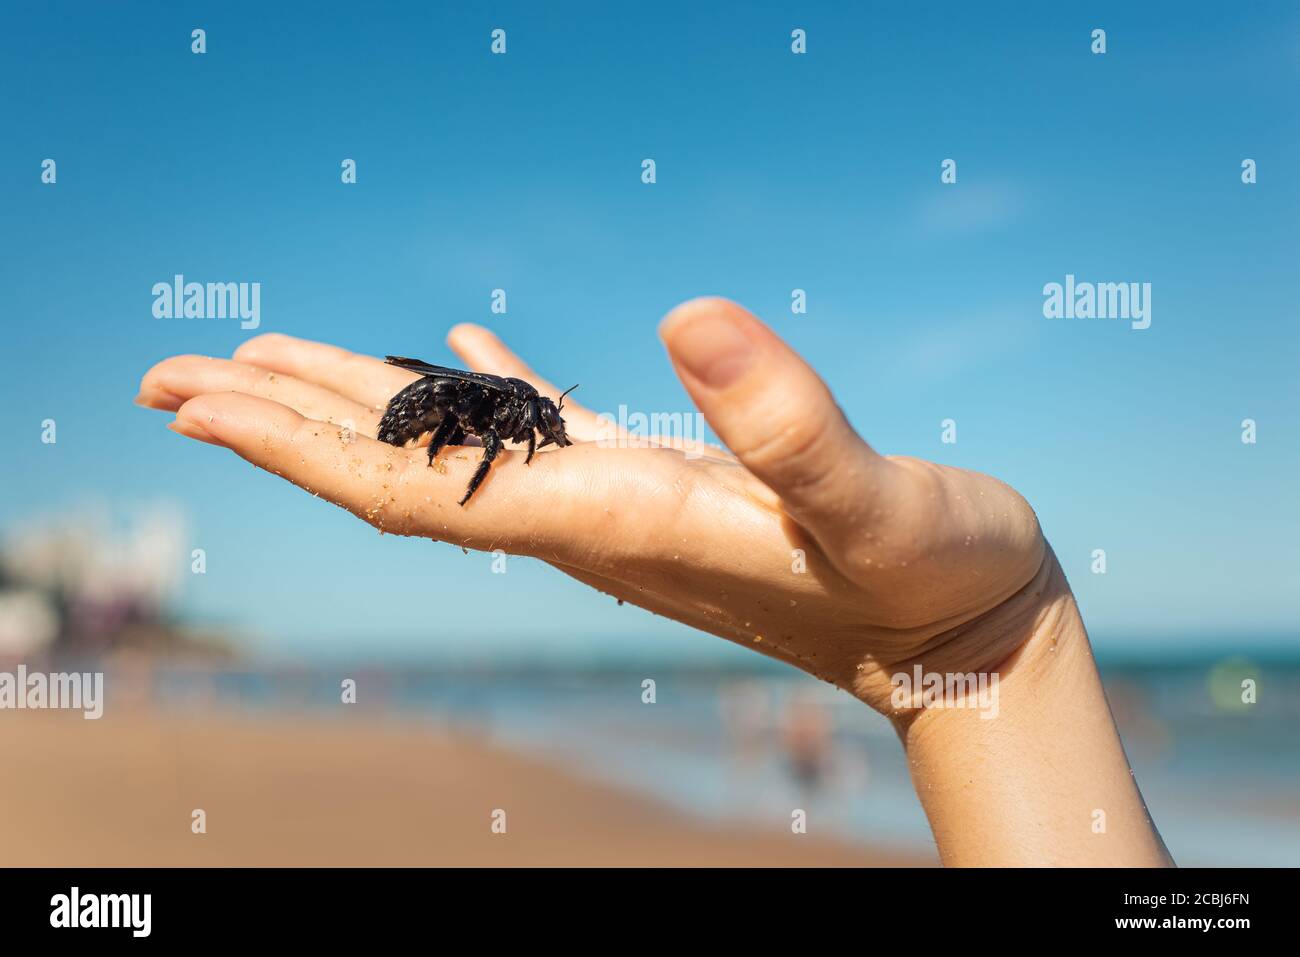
{"points": [[805, 544]]}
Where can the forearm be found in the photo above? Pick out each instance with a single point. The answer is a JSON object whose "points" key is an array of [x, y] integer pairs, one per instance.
{"points": [[1042, 779]]}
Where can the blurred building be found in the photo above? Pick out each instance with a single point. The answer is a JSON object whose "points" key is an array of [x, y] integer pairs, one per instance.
{"points": [[88, 582]]}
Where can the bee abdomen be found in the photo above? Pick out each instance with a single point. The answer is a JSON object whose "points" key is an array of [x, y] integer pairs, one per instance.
{"points": [[415, 410]]}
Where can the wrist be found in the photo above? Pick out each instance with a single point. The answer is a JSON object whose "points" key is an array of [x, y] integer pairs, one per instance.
{"points": [[963, 667], [1035, 774]]}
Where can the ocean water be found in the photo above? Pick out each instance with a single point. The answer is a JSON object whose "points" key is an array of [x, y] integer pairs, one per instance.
{"points": [[1221, 777]]}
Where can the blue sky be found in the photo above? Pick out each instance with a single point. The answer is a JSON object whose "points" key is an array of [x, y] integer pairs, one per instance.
{"points": [[775, 172]]}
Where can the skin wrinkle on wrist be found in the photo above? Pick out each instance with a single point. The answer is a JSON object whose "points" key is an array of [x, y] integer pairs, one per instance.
{"points": [[992, 643]]}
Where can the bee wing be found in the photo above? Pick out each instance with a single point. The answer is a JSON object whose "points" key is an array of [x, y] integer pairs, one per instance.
{"points": [[424, 368]]}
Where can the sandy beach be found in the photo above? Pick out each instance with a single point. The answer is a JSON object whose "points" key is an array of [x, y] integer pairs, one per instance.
{"points": [[328, 792]]}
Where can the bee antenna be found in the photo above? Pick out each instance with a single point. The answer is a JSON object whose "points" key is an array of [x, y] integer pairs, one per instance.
{"points": [[560, 404]]}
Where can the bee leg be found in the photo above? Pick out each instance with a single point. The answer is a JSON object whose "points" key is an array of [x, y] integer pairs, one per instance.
{"points": [[532, 446], [491, 446], [440, 436]]}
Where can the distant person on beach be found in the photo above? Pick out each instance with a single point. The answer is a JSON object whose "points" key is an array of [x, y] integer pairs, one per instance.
{"points": [[802, 543], [806, 740]]}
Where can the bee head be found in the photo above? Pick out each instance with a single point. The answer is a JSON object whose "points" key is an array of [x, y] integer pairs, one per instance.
{"points": [[552, 424]]}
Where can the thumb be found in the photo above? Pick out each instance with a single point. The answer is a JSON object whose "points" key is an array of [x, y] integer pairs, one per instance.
{"points": [[778, 417]]}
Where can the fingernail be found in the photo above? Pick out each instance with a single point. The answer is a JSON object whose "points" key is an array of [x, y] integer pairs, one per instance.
{"points": [[712, 347], [153, 397], [192, 430]]}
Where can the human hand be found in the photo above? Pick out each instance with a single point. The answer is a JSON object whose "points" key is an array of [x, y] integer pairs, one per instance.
{"points": [[807, 545]]}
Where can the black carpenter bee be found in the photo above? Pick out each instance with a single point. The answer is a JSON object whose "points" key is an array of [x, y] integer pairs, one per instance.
{"points": [[452, 404]]}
